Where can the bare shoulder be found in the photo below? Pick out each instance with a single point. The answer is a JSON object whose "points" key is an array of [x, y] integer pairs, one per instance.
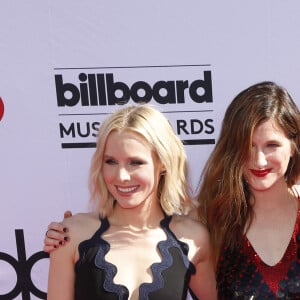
{"points": [[189, 228], [195, 234], [81, 218], [82, 226]]}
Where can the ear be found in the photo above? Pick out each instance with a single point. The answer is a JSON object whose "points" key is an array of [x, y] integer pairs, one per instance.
{"points": [[163, 170]]}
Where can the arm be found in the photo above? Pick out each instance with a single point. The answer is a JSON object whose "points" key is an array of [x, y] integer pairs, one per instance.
{"points": [[61, 273], [56, 235], [203, 282], [61, 278]]}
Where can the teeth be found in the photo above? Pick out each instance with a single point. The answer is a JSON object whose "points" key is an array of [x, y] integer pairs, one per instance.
{"points": [[126, 190]]}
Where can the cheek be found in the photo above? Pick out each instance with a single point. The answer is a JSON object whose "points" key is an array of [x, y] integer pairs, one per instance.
{"points": [[285, 162], [143, 177], [281, 158], [108, 175], [147, 177], [109, 181]]}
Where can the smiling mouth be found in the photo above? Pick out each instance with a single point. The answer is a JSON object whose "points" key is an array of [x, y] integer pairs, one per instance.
{"points": [[127, 189], [260, 173]]}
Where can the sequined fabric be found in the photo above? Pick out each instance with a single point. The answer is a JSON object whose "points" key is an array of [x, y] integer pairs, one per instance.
{"points": [[243, 275]]}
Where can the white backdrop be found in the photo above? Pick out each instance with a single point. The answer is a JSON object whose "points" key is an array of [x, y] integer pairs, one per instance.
{"points": [[235, 43]]}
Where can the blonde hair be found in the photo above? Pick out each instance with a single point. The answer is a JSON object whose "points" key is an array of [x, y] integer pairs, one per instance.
{"points": [[173, 190]]}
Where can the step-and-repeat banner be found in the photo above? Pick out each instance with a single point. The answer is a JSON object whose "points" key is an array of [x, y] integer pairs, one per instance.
{"points": [[66, 65]]}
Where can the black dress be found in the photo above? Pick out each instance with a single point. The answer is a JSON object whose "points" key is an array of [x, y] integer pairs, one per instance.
{"points": [[94, 275]]}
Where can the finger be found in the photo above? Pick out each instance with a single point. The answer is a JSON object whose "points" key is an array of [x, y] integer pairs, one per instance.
{"points": [[49, 249], [52, 236], [56, 226], [67, 214], [52, 244]]}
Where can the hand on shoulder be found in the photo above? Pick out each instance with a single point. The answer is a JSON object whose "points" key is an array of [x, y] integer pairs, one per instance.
{"points": [[78, 218], [81, 224], [81, 227]]}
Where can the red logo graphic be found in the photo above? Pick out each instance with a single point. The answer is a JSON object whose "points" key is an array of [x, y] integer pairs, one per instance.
{"points": [[1, 108]]}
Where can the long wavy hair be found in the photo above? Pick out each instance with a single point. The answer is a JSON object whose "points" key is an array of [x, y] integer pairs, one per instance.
{"points": [[223, 195], [148, 122]]}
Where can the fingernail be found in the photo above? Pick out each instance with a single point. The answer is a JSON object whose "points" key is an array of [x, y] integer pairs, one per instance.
{"points": [[60, 242], [66, 238], [65, 229], [55, 246]]}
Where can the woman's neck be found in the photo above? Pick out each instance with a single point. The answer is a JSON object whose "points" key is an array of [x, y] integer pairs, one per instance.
{"points": [[277, 197], [137, 218]]}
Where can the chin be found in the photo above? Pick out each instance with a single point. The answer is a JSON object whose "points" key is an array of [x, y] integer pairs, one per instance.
{"points": [[258, 186], [127, 205]]}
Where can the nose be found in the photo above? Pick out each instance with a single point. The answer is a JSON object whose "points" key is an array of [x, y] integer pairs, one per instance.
{"points": [[124, 175], [260, 160]]}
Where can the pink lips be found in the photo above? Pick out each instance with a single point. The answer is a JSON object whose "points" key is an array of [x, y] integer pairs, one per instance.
{"points": [[260, 173]]}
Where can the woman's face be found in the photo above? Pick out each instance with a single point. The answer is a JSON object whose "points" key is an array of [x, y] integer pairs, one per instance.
{"points": [[130, 169], [270, 155]]}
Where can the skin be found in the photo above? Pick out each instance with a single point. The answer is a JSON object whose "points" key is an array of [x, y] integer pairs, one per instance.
{"points": [[131, 172], [275, 206], [271, 152]]}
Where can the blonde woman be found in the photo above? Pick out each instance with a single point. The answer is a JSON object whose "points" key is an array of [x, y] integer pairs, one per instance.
{"points": [[137, 243]]}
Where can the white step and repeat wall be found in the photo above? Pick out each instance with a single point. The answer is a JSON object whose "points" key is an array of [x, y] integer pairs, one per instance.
{"points": [[65, 65]]}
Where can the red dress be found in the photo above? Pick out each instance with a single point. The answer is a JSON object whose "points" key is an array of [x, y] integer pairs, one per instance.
{"points": [[242, 274]]}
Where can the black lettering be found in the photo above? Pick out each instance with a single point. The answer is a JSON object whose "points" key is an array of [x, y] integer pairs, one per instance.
{"points": [[112, 87], [93, 89], [196, 123], [181, 125], [84, 90], [208, 125], [180, 87], [95, 127], [203, 85], [70, 130], [169, 87], [134, 92], [87, 130], [101, 89], [23, 269], [62, 89]]}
